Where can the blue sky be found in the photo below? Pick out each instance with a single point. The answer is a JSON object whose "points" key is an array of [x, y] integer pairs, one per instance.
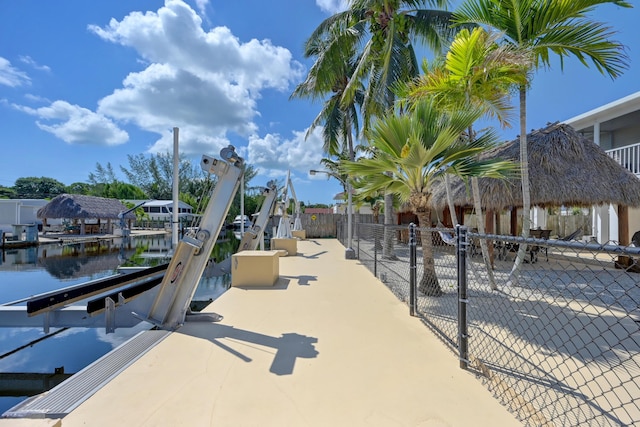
{"points": [[83, 82]]}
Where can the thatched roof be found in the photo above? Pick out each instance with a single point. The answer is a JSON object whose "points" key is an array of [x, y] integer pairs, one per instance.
{"points": [[76, 206], [565, 168]]}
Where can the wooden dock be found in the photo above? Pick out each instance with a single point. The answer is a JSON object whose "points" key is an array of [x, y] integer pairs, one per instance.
{"points": [[14, 242]]}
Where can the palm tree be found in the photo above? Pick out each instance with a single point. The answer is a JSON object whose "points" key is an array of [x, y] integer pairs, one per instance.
{"points": [[476, 71], [382, 33], [330, 75], [378, 35], [414, 149], [543, 27]]}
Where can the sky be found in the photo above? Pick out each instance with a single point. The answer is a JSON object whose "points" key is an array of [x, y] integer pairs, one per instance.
{"points": [[87, 82]]}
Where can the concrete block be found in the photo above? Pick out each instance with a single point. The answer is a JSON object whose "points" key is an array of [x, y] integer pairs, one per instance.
{"points": [[299, 234], [289, 245], [255, 268]]}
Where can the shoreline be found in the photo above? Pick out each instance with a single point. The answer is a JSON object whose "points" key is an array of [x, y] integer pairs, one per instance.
{"points": [[70, 239]]}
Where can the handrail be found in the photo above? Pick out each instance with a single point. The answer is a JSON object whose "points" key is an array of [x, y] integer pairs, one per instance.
{"points": [[627, 156]]}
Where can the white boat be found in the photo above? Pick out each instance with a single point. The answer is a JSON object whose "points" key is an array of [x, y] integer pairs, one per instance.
{"points": [[237, 222]]}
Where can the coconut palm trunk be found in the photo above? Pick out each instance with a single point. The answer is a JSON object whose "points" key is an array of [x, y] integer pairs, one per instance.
{"points": [[526, 195], [484, 248], [376, 217], [429, 284], [388, 247], [452, 206]]}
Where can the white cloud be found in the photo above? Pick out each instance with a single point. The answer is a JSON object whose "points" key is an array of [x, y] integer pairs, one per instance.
{"points": [[192, 140], [36, 98], [206, 83], [77, 125], [162, 96], [11, 76], [274, 153], [202, 6], [121, 335], [332, 6], [29, 61]]}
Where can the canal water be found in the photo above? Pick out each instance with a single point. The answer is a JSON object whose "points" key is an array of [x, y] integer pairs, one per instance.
{"points": [[32, 271]]}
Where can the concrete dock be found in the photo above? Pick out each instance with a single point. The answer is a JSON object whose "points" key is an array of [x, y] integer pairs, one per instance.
{"points": [[328, 345]]}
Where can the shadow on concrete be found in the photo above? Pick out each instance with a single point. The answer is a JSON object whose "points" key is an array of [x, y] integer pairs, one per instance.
{"points": [[302, 280], [288, 346]]}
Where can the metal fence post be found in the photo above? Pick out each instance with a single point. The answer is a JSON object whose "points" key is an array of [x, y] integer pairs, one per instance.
{"points": [[375, 251], [357, 241], [461, 242], [413, 266]]}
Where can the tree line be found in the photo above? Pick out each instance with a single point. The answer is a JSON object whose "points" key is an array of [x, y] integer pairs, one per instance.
{"points": [[147, 177]]}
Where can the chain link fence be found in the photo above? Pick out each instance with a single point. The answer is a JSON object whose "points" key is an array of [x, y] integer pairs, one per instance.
{"points": [[558, 343]]}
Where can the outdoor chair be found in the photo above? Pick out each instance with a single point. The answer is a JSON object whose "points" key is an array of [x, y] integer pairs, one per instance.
{"points": [[447, 238], [572, 236], [535, 249]]}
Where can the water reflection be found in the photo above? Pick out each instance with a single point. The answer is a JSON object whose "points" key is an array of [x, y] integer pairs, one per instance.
{"points": [[30, 271]]}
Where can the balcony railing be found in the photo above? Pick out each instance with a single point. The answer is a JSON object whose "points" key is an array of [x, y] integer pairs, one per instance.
{"points": [[628, 156]]}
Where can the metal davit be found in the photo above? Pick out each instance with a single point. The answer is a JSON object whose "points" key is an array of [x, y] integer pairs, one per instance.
{"points": [[166, 305], [171, 305]]}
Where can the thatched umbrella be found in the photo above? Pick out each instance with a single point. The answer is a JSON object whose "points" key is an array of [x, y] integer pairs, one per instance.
{"points": [[565, 168], [77, 206], [81, 207]]}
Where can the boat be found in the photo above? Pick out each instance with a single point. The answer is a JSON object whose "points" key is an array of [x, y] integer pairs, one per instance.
{"points": [[237, 222]]}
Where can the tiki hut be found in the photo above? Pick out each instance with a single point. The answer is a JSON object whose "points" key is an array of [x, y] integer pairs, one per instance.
{"points": [[565, 168], [86, 214]]}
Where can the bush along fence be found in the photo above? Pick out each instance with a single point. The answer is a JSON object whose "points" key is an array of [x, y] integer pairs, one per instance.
{"points": [[559, 346]]}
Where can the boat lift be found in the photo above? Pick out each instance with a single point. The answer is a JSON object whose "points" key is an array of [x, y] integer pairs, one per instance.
{"points": [[166, 306], [126, 232], [253, 236], [284, 227]]}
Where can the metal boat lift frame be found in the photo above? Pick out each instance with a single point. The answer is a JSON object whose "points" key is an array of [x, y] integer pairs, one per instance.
{"points": [[166, 306]]}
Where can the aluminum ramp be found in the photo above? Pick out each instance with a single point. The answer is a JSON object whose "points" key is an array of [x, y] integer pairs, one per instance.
{"points": [[65, 397]]}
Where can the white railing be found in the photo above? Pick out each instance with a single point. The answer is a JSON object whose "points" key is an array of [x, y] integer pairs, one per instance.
{"points": [[628, 156]]}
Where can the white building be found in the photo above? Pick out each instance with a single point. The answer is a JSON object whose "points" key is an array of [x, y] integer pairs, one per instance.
{"points": [[615, 127], [19, 211], [162, 210]]}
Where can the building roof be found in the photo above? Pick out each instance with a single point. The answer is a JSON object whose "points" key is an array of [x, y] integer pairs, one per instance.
{"points": [[25, 202], [565, 168], [612, 116], [77, 206], [168, 203], [318, 210]]}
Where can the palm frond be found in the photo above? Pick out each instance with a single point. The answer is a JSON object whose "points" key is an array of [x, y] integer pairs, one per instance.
{"points": [[434, 28], [545, 26]]}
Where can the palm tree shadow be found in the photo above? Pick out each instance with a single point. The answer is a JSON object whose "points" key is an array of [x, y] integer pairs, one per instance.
{"points": [[289, 346], [302, 280], [314, 256]]}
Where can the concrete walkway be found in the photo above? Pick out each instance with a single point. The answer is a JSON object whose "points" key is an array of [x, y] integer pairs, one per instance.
{"points": [[329, 345]]}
